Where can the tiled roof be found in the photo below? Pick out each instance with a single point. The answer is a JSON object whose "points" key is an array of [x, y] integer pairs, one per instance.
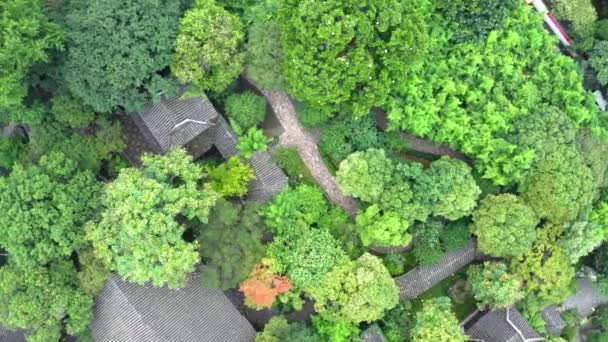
{"points": [[422, 278], [126, 312], [11, 336], [494, 327], [372, 334], [269, 178], [554, 323]]}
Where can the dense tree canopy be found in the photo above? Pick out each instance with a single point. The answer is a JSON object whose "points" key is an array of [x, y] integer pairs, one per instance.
{"points": [[207, 50], [117, 49], [138, 235], [279, 330], [356, 291], [436, 322], [493, 286], [45, 208], [364, 174], [504, 225], [344, 56], [26, 38]]}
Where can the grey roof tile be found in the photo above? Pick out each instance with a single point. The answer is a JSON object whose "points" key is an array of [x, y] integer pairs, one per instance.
{"points": [[494, 327]]}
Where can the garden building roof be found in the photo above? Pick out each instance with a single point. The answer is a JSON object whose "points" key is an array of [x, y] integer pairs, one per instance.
{"points": [[502, 326]]}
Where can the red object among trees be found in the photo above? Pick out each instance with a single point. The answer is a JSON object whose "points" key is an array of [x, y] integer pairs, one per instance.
{"points": [[263, 286]]}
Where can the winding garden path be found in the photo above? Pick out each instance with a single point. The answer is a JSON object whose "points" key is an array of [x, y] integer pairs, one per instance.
{"points": [[296, 136]]}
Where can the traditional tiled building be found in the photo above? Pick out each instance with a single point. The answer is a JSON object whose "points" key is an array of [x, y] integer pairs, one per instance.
{"points": [[502, 326]]}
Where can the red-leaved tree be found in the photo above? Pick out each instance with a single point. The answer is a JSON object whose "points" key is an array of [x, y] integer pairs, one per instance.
{"points": [[263, 286]]}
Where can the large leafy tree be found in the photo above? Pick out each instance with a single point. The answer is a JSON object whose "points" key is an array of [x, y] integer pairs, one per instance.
{"points": [[504, 225], [26, 38], [264, 55], [356, 291], [436, 322], [44, 210], [279, 330], [365, 174], [207, 50], [382, 228], [235, 233], [117, 49], [42, 299], [138, 234], [344, 56], [493, 286]]}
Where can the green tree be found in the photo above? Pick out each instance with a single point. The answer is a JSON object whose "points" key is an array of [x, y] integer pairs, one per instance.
{"points": [[230, 244], [436, 322], [356, 291], [382, 228], [71, 112], [493, 286], [448, 189], [207, 49], [264, 56], [26, 38], [474, 19], [246, 109], [138, 235], [307, 257], [335, 331], [46, 207], [428, 248], [230, 178], [252, 141], [11, 149], [325, 68], [41, 299], [592, 149], [365, 174], [93, 272], [504, 225], [582, 237], [581, 13], [343, 136], [278, 330], [117, 49], [398, 321]]}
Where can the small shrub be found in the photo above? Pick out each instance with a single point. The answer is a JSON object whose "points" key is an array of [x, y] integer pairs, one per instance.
{"points": [[311, 117], [231, 177], [247, 109], [288, 159], [394, 263], [253, 141]]}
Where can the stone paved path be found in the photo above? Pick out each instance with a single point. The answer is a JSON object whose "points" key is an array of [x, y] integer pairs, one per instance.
{"points": [[305, 143]]}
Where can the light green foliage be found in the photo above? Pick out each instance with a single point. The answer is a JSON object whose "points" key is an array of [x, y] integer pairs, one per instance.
{"points": [[545, 270], [230, 178], [593, 151], [36, 299], [116, 50], [45, 208], [11, 149], [448, 189], [343, 136], [599, 61], [382, 228], [207, 50], [26, 38], [364, 174], [89, 150], [288, 159], [71, 112], [474, 19], [504, 225], [356, 291], [428, 248], [93, 272], [293, 210], [397, 322], [469, 95], [252, 141], [399, 194], [559, 187], [493, 286], [230, 244], [138, 235], [278, 330], [307, 257], [324, 68], [246, 109], [436, 322], [583, 237], [335, 331], [264, 55]]}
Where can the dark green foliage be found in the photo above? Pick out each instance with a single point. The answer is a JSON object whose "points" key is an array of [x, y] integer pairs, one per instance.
{"points": [[600, 259], [307, 257], [394, 263], [493, 286], [93, 272], [427, 246], [292, 211], [343, 136], [116, 50], [456, 235], [230, 244], [246, 109], [599, 57], [46, 207], [11, 149], [326, 69], [26, 38], [37, 298], [395, 142], [345, 232], [264, 56], [278, 330], [397, 322], [601, 29], [474, 19], [89, 148], [208, 47], [312, 117], [593, 151], [71, 112], [288, 159]]}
